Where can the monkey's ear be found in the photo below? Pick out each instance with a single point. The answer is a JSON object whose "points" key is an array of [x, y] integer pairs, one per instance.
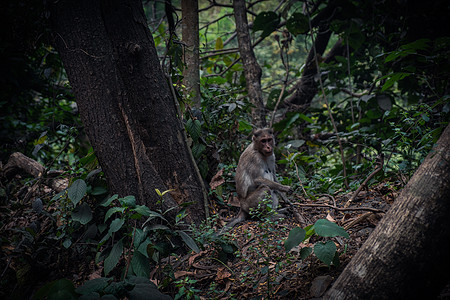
{"points": [[257, 132]]}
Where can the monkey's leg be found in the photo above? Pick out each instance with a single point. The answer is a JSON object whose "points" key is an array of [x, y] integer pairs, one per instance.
{"points": [[242, 216]]}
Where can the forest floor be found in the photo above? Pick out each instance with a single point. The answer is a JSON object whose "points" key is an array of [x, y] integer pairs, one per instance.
{"points": [[260, 269], [288, 276]]}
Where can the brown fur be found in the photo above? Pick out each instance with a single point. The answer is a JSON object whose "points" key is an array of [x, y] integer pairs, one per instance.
{"points": [[255, 175]]}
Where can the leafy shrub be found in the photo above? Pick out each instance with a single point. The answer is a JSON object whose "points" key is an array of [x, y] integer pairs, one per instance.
{"points": [[325, 251]]}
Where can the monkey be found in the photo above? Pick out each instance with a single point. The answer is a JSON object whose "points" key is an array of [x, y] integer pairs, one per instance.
{"points": [[255, 175]]}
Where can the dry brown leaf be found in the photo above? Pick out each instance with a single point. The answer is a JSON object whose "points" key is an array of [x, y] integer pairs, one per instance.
{"points": [[217, 180], [179, 274], [193, 257], [330, 218], [222, 273]]}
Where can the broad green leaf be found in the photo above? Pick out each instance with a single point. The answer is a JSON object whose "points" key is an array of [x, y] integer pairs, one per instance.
{"points": [[194, 127], [110, 200], [77, 191], [297, 24], [128, 201], [94, 285], [325, 228], [113, 210], [325, 251], [306, 118], [309, 231], [384, 102], [197, 150], [113, 258], [139, 236], [295, 237], [188, 241], [140, 265], [98, 190], [142, 210], [305, 252], [116, 225], [144, 289], [267, 22], [143, 247], [82, 213], [393, 78]]}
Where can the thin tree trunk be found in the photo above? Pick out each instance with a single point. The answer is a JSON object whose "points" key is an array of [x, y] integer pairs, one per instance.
{"points": [[190, 34], [125, 102], [252, 70], [407, 256]]}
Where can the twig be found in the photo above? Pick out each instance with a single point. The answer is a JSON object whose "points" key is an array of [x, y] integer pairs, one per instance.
{"points": [[356, 221], [378, 169], [342, 208]]}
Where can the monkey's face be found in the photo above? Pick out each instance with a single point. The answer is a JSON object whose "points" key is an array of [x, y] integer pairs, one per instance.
{"points": [[266, 145]]}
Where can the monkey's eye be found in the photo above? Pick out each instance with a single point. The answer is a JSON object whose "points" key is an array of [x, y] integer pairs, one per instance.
{"points": [[264, 141]]}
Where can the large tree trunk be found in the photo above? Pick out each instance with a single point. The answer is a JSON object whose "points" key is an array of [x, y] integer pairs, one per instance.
{"points": [[252, 70], [191, 75], [408, 254], [125, 102]]}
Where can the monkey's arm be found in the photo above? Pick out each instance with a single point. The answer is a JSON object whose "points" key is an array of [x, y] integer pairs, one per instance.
{"points": [[272, 184]]}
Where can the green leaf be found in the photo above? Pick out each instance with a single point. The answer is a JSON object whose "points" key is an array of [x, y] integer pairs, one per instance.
{"points": [[140, 265], [384, 102], [98, 190], [188, 241], [110, 200], [163, 193], [142, 210], [94, 285], [143, 247], [197, 150], [325, 228], [295, 237], [297, 24], [116, 225], [267, 22], [245, 126], [58, 289], [82, 213], [305, 252], [128, 201], [158, 227], [113, 210], [219, 43], [113, 258], [393, 78], [325, 251], [77, 191], [194, 128], [144, 289]]}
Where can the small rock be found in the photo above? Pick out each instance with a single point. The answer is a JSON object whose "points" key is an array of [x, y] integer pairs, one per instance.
{"points": [[320, 285]]}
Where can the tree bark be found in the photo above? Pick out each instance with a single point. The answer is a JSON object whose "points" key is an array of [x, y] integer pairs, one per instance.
{"points": [[407, 256], [252, 70], [190, 35], [125, 102]]}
